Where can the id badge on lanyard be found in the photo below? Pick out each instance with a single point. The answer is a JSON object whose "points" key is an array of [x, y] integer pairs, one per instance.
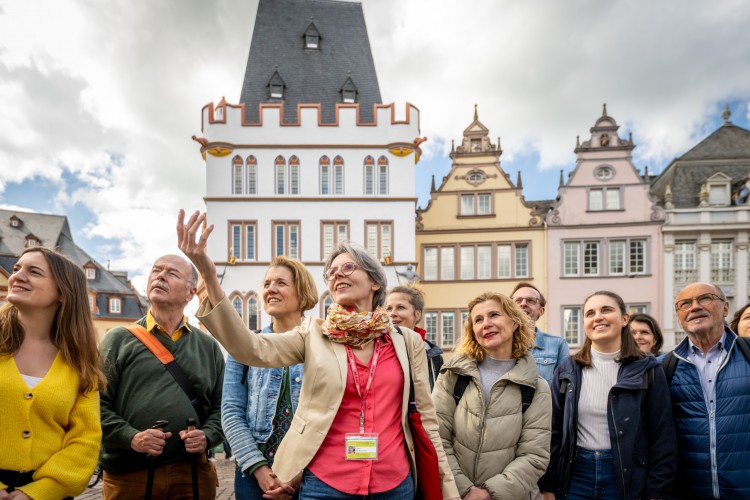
{"points": [[361, 445]]}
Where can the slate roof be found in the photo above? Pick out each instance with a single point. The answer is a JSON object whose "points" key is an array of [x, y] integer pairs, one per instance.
{"points": [[726, 150], [54, 232], [310, 75]]}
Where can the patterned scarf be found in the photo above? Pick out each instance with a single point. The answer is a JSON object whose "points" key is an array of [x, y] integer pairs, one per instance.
{"points": [[353, 328]]}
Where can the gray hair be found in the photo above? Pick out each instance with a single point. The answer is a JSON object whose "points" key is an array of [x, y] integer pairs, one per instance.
{"points": [[367, 262]]}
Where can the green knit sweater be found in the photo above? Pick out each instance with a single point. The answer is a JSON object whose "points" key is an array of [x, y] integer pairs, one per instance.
{"points": [[141, 391]]}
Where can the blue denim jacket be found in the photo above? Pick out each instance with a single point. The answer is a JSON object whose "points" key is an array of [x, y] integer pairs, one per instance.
{"points": [[549, 351], [247, 410]]}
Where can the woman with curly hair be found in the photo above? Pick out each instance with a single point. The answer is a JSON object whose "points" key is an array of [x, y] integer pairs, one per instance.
{"points": [[496, 434], [50, 374]]}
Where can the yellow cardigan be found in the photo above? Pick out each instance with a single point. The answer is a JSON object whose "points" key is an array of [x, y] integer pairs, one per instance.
{"points": [[51, 429]]}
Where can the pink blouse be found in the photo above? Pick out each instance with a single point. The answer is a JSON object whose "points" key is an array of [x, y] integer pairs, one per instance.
{"points": [[382, 416]]}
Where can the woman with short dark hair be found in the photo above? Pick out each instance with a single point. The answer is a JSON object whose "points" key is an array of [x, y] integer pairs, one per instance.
{"points": [[646, 333]]}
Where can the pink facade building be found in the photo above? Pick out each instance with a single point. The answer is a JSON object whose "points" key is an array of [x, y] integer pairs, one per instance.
{"points": [[603, 233]]}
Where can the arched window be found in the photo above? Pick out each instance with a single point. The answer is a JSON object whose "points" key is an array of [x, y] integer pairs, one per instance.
{"points": [[327, 301], [325, 175], [253, 316], [236, 175], [338, 175], [280, 174], [252, 175], [382, 175], [369, 175], [293, 175], [237, 304]]}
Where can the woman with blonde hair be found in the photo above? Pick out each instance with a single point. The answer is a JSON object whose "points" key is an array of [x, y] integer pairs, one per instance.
{"points": [[258, 404], [493, 407], [50, 374], [405, 306]]}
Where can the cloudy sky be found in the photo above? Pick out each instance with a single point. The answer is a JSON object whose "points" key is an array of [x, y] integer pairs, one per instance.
{"points": [[99, 100]]}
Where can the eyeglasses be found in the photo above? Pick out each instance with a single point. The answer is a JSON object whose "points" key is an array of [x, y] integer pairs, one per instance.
{"points": [[702, 300], [529, 300], [346, 269]]}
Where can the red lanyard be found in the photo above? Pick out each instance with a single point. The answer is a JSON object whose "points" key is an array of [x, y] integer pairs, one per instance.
{"points": [[358, 385]]}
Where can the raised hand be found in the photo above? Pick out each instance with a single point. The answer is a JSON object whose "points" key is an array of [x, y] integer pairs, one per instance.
{"points": [[196, 251]]}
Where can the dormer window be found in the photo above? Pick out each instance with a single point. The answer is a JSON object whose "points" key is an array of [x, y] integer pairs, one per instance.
{"points": [[90, 273], [719, 189], [277, 91], [276, 86], [312, 37], [15, 221], [33, 241], [348, 92]]}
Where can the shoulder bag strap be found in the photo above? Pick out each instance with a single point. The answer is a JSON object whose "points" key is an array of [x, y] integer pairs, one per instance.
{"points": [[166, 358]]}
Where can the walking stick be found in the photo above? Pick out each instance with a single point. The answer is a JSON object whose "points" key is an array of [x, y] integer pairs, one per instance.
{"points": [[194, 464], [161, 425]]}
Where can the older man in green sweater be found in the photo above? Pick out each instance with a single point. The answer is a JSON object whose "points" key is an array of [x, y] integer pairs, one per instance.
{"points": [[141, 391]]}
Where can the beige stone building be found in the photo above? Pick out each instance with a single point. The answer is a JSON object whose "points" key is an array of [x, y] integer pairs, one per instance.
{"points": [[476, 234]]}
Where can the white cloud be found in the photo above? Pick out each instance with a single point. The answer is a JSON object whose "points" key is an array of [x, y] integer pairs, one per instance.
{"points": [[111, 94]]}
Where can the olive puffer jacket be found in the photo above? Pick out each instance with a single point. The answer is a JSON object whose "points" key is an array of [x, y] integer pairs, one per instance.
{"points": [[494, 446]]}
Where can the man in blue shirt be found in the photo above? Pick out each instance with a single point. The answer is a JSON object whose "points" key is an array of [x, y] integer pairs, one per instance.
{"points": [[549, 350]]}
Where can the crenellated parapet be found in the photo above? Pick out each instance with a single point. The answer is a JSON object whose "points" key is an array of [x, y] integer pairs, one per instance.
{"points": [[226, 127]]}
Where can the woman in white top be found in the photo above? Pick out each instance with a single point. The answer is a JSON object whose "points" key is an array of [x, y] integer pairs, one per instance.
{"points": [[612, 431]]}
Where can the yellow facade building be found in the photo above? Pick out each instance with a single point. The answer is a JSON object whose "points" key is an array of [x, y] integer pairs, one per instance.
{"points": [[476, 234]]}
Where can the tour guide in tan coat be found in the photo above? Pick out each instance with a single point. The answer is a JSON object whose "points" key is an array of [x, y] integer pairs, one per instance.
{"points": [[326, 362], [495, 450]]}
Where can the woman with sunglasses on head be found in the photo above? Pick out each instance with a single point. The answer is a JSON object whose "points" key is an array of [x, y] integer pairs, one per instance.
{"points": [[612, 431], [258, 404], [405, 306], [646, 333], [350, 437], [49, 379]]}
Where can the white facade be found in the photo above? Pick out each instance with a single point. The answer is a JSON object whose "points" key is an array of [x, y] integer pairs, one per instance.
{"points": [[296, 189]]}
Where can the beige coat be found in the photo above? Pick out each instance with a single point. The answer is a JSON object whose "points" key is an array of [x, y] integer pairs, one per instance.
{"points": [[323, 383], [494, 446]]}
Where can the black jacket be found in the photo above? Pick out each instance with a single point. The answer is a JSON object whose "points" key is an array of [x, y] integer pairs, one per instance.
{"points": [[641, 433]]}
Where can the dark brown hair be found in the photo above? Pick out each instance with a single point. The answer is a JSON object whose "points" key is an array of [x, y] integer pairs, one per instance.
{"points": [[628, 348], [524, 284], [72, 330], [654, 327], [735, 324]]}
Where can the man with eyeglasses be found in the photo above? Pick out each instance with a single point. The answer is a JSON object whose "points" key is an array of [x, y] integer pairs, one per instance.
{"points": [[710, 392], [549, 350]]}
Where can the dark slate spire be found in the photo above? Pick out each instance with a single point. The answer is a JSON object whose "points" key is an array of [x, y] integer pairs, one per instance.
{"points": [[432, 187], [561, 183], [519, 181], [310, 75]]}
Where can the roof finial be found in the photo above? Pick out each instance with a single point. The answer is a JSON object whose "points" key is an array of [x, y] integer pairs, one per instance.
{"points": [[726, 114], [499, 147], [432, 187], [519, 182], [453, 145], [476, 113], [578, 141], [604, 110], [562, 179]]}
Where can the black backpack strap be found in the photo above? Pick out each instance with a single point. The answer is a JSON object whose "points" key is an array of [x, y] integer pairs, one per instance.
{"points": [[527, 394], [564, 386], [670, 365], [648, 381], [462, 382]]}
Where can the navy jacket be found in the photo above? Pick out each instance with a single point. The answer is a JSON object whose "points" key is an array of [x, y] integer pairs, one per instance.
{"points": [[713, 450], [641, 433]]}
